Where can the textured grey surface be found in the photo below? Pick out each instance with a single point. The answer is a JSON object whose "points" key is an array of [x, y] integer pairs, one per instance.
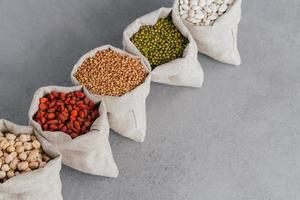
{"points": [[236, 138]]}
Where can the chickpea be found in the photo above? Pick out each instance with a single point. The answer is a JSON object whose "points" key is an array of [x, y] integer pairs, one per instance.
{"points": [[11, 143], [18, 144], [10, 173], [22, 166], [28, 138], [34, 165], [13, 154], [8, 159], [4, 144], [23, 138], [27, 146], [2, 174], [33, 156], [46, 158], [39, 151], [5, 167], [19, 149], [42, 164], [13, 164], [10, 149], [36, 144], [2, 138], [10, 136], [27, 170], [23, 156], [1, 153]]}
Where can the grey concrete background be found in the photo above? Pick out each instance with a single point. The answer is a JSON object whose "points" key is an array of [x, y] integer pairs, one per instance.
{"points": [[236, 138]]}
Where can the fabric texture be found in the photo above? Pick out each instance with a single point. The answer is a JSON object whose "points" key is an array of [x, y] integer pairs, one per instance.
{"points": [[127, 113], [90, 153], [218, 41], [44, 182], [185, 71]]}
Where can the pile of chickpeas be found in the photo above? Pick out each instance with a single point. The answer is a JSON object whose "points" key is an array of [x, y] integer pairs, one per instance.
{"points": [[20, 154]]}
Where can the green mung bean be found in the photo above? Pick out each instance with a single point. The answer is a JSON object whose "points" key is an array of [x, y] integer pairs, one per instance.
{"points": [[160, 43]]}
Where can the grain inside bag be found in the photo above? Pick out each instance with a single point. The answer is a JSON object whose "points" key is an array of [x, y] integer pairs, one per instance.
{"points": [[181, 71], [214, 26], [38, 181], [89, 152], [122, 81]]}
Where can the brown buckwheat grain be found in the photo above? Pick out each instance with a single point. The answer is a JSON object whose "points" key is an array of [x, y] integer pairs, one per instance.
{"points": [[109, 73]]}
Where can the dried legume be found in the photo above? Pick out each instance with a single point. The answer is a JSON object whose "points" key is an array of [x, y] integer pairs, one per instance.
{"points": [[109, 73], [72, 113], [160, 43], [16, 159], [203, 12]]}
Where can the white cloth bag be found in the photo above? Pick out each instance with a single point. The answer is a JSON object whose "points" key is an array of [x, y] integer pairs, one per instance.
{"points": [[218, 41], [127, 113], [185, 71], [43, 183], [90, 153]]}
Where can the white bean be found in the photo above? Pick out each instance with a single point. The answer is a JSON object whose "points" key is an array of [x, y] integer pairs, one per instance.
{"points": [[203, 12], [185, 7], [199, 16], [202, 3], [208, 2], [196, 7], [223, 7], [191, 13]]}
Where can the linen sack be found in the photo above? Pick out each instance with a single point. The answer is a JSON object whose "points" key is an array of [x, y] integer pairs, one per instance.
{"points": [[218, 41], [126, 113], [90, 153], [185, 71], [44, 182]]}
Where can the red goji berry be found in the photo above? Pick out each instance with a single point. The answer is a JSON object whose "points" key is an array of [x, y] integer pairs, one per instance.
{"points": [[74, 113], [62, 96], [53, 121], [87, 124], [55, 94], [52, 104], [43, 100], [79, 94], [64, 129], [73, 135], [77, 125], [51, 116], [53, 127], [45, 127], [43, 106]]}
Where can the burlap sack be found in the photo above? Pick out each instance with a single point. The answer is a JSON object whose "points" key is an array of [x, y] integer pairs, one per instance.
{"points": [[90, 153], [127, 113], [40, 183], [185, 71], [218, 41]]}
